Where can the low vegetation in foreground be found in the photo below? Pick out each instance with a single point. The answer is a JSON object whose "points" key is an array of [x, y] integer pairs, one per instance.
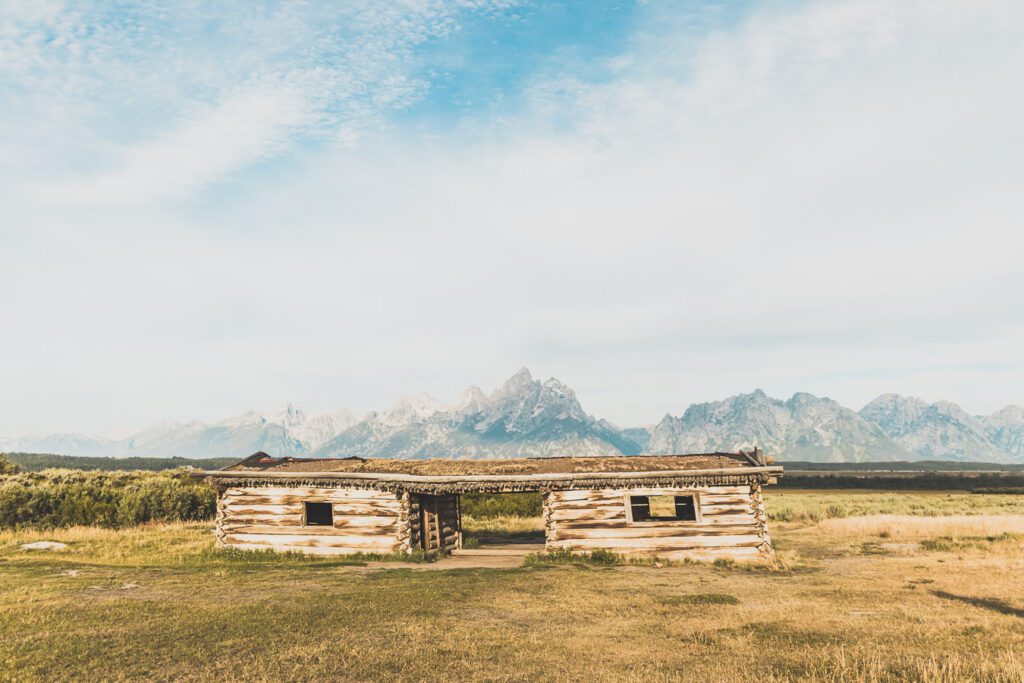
{"points": [[62, 498], [891, 597]]}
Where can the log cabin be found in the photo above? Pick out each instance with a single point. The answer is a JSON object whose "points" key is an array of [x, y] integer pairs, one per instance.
{"points": [[702, 506]]}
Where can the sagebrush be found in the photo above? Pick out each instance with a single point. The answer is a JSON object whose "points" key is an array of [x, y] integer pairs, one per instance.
{"points": [[61, 498]]}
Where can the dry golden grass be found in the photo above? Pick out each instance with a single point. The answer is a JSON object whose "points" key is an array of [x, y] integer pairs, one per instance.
{"points": [[845, 604], [913, 527], [502, 524]]}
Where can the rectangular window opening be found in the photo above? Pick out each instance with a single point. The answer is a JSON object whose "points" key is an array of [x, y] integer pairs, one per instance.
{"points": [[319, 514], [663, 508]]}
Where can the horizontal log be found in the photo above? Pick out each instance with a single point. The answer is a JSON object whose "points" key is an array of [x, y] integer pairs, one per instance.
{"points": [[745, 552], [716, 511], [620, 501], [368, 532], [357, 510], [365, 543], [369, 494], [299, 500], [307, 550], [242, 509], [679, 525], [339, 522], [272, 520], [620, 520], [591, 494], [616, 512], [620, 497], [364, 503], [661, 533], [344, 509], [670, 543]]}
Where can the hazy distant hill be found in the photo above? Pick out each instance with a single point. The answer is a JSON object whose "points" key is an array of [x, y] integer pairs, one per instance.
{"points": [[528, 417], [35, 462]]}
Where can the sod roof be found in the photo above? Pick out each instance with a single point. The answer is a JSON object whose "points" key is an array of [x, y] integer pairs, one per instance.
{"points": [[261, 462]]}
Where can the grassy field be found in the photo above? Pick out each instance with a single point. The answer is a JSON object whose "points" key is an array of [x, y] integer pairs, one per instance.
{"points": [[932, 590]]}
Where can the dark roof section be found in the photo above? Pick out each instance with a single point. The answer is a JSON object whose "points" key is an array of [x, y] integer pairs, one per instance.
{"points": [[261, 462]]}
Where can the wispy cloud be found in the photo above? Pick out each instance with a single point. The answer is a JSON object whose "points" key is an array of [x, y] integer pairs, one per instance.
{"points": [[153, 103], [809, 196]]}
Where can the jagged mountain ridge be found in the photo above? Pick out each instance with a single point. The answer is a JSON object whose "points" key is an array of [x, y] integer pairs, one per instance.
{"points": [[943, 430], [527, 417], [803, 428], [524, 417]]}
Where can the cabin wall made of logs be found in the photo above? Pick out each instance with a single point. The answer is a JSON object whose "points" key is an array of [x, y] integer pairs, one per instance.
{"points": [[729, 522], [361, 520]]}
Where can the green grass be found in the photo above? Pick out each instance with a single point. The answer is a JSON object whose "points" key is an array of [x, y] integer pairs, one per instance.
{"points": [[160, 603], [565, 556], [960, 543], [702, 599]]}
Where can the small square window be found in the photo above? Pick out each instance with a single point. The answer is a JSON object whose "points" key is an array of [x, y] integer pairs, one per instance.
{"points": [[319, 514], [663, 508]]}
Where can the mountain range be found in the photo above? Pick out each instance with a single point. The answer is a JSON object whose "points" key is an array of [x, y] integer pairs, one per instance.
{"points": [[528, 417]]}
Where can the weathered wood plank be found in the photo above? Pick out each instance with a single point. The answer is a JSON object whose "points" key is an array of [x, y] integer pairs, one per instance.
{"points": [[682, 525], [620, 520], [369, 494], [619, 503], [655, 544], [262, 509], [270, 519], [702, 554], [339, 522], [606, 512], [375, 543], [635, 532], [264, 529], [340, 509], [714, 511], [597, 494], [308, 550], [364, 503]]}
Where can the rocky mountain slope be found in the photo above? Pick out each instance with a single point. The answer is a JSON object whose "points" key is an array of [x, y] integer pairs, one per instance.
{"points": [[524, 417], [528, 417], [936, 431], [804, 427]]}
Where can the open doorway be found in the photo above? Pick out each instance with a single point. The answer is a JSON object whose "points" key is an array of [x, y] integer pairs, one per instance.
{"points": [[509, 520]]}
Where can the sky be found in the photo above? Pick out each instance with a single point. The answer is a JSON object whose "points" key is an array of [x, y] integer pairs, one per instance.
{"points": [[207, 208]]}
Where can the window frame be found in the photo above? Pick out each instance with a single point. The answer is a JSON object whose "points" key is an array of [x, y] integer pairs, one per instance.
{"points": [[628, 504], [305, 513]]}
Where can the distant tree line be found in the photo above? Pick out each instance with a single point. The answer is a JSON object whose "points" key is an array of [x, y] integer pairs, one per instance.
{"points": [[481, 505], [35, 462], [981, 482], [899, 466]]}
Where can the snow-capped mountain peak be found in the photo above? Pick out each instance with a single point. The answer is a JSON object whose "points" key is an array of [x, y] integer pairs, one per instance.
{"points": [[937, 431], [805, 427], [288, 417], [527, 417], [412, 409], [472, 401], [1005, 428]]}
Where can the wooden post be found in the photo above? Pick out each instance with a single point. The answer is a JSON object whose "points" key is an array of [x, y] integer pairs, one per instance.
{"points": [[437, 526]]}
